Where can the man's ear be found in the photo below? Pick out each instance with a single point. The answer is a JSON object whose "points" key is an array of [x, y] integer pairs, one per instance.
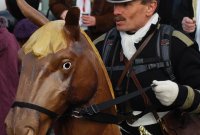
{"points": [[151, 7]]}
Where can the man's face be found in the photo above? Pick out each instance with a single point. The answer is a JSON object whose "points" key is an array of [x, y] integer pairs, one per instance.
{"points": [[131, 16]]}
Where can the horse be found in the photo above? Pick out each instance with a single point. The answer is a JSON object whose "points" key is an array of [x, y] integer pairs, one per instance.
{"points": [[61, 70]]}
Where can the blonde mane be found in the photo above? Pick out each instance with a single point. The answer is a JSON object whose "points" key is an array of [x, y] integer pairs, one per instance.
{"points": [[48, 39]]}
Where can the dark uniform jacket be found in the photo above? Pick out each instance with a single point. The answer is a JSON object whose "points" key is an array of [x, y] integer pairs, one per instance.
{"points": [[185, 59], [102, 10]]}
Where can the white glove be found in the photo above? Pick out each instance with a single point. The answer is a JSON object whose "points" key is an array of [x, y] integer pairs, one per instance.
{"points": [[166, 91]]}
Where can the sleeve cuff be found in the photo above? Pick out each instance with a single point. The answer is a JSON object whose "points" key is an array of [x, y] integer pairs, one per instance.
{"points": [[182, 96]]}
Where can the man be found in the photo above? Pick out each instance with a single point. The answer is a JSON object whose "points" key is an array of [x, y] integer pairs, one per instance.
{"points": [[136, 23], [97, 15]]}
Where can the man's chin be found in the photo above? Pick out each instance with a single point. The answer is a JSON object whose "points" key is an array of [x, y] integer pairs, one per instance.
{"points": [[121, 28]]}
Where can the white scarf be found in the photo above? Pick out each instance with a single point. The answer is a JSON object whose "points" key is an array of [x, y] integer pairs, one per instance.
{"points": [[128, 41], [197, 35]]}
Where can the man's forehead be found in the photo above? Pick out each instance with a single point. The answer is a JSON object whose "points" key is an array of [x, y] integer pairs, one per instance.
{"points": [[119, 1], [124, 1]]}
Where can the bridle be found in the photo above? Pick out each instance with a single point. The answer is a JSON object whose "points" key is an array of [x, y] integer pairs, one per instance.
{"points": [[38, 108], [92, 112]]}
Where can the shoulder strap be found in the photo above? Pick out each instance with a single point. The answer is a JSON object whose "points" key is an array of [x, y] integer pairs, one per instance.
{"points": [[110, 40], [165, 42], [163, 48]]}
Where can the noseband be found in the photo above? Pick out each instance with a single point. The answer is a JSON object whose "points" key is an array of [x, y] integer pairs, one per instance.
{"points": [[38, 108]]}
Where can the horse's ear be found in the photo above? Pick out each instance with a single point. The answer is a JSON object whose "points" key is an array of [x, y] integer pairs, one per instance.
{"points": [[72, 23]]}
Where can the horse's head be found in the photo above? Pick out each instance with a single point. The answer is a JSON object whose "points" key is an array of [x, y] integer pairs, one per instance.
{"points": [[59, 70]]}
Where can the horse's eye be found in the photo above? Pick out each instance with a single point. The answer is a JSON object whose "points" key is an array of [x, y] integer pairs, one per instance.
{"points": [[67, 65]]}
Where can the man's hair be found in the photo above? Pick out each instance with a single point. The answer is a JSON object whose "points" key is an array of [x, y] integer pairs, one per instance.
{"points": [[146, 1]]}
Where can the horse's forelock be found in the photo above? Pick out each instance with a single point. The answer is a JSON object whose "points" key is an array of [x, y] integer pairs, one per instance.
{"points": [[48, 39]]}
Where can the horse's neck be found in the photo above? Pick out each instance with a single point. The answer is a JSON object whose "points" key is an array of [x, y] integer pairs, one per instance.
{"points": [[74, 126], [103, 92]]}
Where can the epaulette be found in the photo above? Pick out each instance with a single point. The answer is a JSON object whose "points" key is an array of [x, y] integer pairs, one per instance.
{"points": [[183, 38], [99, 39]]}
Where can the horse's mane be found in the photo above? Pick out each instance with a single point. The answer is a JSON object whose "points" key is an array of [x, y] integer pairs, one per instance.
{"points": [[51, 38], [101, 63]]}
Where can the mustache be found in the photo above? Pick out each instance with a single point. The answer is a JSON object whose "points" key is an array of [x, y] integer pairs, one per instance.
{"points": [[119, 18]]}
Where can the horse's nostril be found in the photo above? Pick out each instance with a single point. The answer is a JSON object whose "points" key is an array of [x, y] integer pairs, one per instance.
{"points": [[30, 131]]}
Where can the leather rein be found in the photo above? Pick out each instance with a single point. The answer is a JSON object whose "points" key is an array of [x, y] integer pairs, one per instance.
{"points": [[90, 112]]}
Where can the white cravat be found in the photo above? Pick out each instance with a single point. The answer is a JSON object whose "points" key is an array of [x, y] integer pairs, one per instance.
{"points": [[197, 35], [128, 41]]}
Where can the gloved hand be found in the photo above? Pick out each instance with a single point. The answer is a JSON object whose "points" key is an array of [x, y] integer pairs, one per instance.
{"points": [[166, 91]]}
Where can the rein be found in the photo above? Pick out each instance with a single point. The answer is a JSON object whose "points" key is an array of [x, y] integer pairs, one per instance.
{"points": [[92, 112]]}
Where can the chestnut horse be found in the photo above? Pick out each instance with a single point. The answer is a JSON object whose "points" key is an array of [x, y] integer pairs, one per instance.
{"points": [[61, 71]]}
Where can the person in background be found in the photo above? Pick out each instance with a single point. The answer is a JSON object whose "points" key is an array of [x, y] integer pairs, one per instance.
{"points": [[14, 10], [190, 18], [96, 15], [13, 13], [9, 71], [136, 38], [23, 30], [165, 9], [168, 10]]}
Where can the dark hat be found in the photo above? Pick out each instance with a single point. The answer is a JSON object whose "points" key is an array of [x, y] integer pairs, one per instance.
{"points": [[118, 1], [24, 29]]}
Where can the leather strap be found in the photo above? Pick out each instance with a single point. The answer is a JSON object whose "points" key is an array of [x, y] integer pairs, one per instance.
{"points": [[129, 64], [128, 69]]}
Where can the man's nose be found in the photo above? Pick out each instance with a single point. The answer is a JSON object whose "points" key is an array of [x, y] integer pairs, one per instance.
{"points": [[117, 9]]}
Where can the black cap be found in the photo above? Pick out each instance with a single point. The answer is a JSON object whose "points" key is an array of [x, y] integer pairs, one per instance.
{"points": [[118, 1]]}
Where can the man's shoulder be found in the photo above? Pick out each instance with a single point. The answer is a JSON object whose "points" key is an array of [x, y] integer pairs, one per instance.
{"points": [[176, 34]]}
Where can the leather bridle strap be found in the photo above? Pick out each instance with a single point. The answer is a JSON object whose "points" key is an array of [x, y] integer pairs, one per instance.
{"points": [[51, 114], [96, 108], [93, 112]]}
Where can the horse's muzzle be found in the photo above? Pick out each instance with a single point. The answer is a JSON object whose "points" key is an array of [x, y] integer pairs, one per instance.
{"points": [[21, 125]]}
